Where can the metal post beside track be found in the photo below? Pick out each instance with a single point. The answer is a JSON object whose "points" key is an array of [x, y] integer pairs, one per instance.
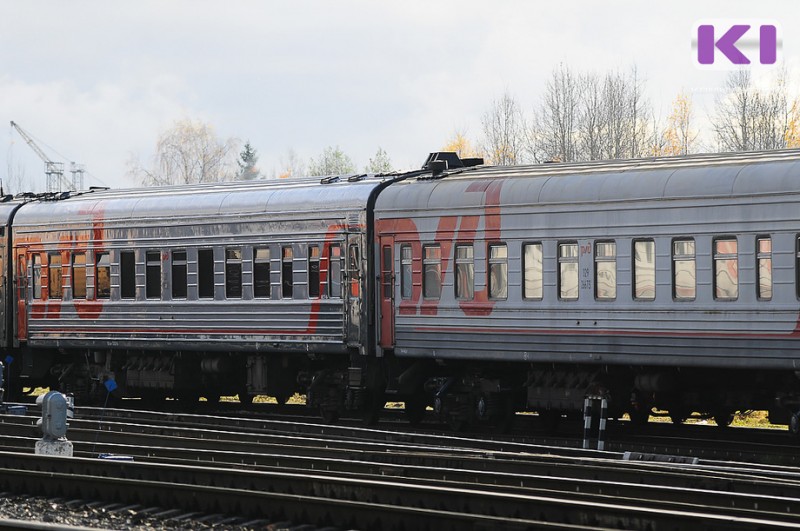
{"points": [[589, 405]]}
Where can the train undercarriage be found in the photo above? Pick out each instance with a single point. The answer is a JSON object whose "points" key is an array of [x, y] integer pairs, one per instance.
{"points": [[459, 393]]}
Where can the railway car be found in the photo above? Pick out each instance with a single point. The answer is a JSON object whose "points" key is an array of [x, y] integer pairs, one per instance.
{"points": [[668, 283], [198, 290], [481, 291]]}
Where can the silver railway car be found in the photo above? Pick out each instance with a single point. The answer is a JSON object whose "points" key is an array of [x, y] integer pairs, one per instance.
{"points": [[195, 290], [666, 282]]}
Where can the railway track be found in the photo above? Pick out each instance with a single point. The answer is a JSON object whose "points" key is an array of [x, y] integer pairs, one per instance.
{"points": [[384, 479]]}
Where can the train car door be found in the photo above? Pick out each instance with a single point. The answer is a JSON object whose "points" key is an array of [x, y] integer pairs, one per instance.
{"points": [[387, 292], [22, 295]]}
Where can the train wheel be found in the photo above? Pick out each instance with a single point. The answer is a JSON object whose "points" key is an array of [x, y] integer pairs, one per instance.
{"points": [[639, 417], [415, 410], [723, 418], [329, 415]]}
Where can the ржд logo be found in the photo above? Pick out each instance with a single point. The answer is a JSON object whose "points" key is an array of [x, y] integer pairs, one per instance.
{"points": [[737, 44]]}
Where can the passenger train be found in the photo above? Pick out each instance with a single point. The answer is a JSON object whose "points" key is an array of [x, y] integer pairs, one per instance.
{"points": [[669, 283]]}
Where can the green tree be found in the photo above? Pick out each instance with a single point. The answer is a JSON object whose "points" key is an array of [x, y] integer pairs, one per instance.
{"points": [[380, 163], [247, 163], [332, 161]]}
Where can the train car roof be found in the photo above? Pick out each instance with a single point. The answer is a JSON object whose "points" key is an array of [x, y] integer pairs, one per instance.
{"points": [[697, 176], [312, 194]]}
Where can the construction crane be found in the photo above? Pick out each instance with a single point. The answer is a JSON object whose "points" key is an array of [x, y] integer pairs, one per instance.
{"points": [[54, 170]]}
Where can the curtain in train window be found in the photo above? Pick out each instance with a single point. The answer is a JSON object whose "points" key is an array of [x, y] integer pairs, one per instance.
{"points": [[683, 270], [644, 270], [313, 271], [54, 277], [726, 270], [432, 271], [465, 272], [36, 271], [406, 286], [568, 271], [532, 272], [605, 271], [79, 276], [498, 271], [764, 265], [102, 276], [261, 273], [153, 274], [335, 271], [179, 274]]}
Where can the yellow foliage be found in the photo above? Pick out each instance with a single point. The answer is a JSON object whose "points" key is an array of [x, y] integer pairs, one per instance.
{"points": [[461, 145], [678, 137]]}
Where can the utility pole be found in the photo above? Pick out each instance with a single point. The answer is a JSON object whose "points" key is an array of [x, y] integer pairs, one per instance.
{"points": [[54, 170]]}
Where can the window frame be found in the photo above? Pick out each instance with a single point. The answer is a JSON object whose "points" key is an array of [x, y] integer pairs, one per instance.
{"points": [[287, 275], [674, 257], [435, 261], [467, 262], [127, 275], [764, 255], [151, 267], [524, 256], [406, 272], [635, 275], [73, 276], [259, 263], [717, 257], [53, 274], [36, 279], [335, 268], [233, 270], [491, 262], [604, 260], [560, 272], [313, 276], [176, 264], [104, 294], [205, 269]]}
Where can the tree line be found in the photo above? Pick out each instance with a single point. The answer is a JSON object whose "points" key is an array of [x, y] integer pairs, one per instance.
{"points": [[580, 116]]}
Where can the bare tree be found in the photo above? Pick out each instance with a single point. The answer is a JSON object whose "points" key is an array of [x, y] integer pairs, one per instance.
{"points": [[291, 165], [332, 161], [555, 123], [747, 118], [380, 163], [504, 132], [16, 179], [188, 152]]}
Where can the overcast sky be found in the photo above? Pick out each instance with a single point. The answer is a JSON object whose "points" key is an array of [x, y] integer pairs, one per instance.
{"points": [[98, 80]]}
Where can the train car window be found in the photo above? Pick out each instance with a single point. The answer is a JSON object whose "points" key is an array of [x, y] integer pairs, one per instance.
{"points": [[127, 275], [465, 272], [233, 273], [432, 268], [605, 271], [153, 274], [532, 272], [287, 270], [335, 271], [498, 271], [405, 272], [644, 270], [179, 275], [764, 267], [726, 270], [568, 271], [54, 277], [79, 276], [684, 281], [353, 273], [313, 271], [102, 276], [36, 270], [205, 273], [261, 281]]}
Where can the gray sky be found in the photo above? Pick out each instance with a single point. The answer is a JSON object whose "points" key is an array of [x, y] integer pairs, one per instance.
{"points": [[98, 80]]}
